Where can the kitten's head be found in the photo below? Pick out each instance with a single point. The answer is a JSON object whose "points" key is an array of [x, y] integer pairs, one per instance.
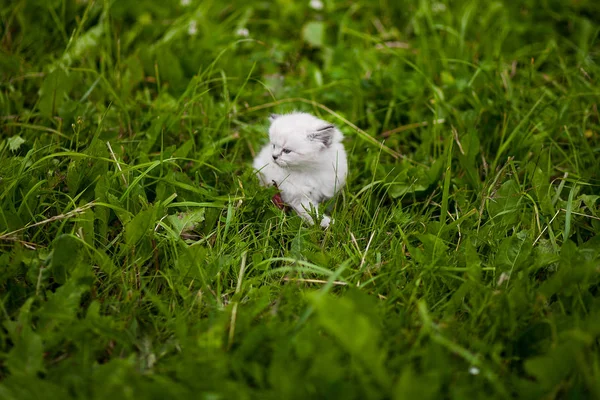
{"points": [[298, 140]]}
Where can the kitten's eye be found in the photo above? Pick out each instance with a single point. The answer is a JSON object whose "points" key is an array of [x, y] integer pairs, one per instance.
{"points": [[273, 146], [286, 151]]}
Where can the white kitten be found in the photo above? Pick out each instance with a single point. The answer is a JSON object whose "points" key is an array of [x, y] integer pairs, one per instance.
{"points": [[305, 159]]}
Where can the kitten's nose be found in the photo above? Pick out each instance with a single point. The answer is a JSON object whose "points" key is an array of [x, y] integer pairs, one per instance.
{"points": [[275, 157]]}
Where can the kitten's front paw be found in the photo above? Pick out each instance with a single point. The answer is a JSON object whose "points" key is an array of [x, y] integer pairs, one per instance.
{"points": [[326, 221]]}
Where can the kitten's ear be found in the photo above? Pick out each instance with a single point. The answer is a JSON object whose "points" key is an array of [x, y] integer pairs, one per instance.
{"points": [[273, 117], [323, 135]]}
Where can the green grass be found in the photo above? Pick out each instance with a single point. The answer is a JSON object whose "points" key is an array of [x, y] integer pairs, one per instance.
{"points": [[139, 258]]}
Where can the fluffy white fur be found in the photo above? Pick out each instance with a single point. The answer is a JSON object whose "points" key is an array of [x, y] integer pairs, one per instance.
{"points": [[305, 159]]}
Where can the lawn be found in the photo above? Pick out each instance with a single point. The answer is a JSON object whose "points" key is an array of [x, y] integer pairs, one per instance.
{"points": [[140, 258]]}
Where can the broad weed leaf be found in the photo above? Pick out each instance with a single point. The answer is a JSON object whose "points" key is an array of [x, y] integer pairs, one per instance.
{"points": [[314, 33], [26, 387], [354, 331], [84, 44], [74, 177], [184, 149], [132, 76], [159, 122], [472, 261], [170, 70], [26, 356], [14, 328], [190, 262], [552, 368], [574, 272], [123, 215], [590, 202], [65, 257], [15, 142], [60, 311], [139, 226], [434, 172], [11, 219], [101, 213], [434, 251], [413, 385], [470, 145], [513, 252], [410, 180], [186, 221], [55, 87], [504, 204], [541, 188]]}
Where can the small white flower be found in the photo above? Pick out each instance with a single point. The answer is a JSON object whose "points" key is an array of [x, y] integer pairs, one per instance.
{"points": [[503, 278], [474, 371], [186, 2], [243, 32], [316, 4], [192, 28], [438, 7]]}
